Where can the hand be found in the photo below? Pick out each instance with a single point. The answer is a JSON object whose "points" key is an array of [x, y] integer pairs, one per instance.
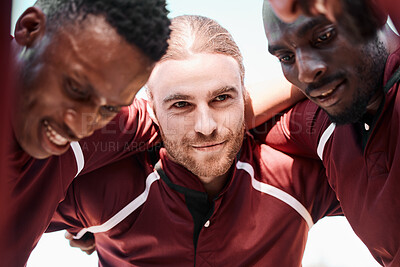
{"points": [[87, 243]]}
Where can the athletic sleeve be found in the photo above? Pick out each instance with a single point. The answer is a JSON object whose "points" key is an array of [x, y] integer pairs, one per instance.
{"points": [[67, 216], [297, 131], [36, 187], [325, 202], [94, 198], [311, 187]]}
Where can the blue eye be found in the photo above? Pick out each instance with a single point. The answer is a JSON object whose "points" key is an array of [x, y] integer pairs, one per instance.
{"points": [[221, 97]]}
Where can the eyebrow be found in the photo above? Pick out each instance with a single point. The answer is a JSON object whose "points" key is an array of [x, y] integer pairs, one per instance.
{"points": [[83, 81], [223, 90], [273, 48], [124, 104], [175, 97], [181, 97], [306, 27], [310, 24]]}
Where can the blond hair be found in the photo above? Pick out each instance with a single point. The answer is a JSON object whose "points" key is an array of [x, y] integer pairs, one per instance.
{"points": [[192, 34]]}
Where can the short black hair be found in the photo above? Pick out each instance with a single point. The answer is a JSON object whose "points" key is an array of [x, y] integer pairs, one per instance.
{"points": [[143, 23]]}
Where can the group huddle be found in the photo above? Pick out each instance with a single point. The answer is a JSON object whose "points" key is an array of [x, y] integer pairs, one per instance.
{"points": [[178, 178]]}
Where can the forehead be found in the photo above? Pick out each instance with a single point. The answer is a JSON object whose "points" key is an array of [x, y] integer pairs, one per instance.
{"points": [[275, 29], [198, 75], [92, 50], [79, 32]]}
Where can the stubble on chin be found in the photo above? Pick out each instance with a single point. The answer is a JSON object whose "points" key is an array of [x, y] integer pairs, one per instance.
{"points": [[211, 166]]}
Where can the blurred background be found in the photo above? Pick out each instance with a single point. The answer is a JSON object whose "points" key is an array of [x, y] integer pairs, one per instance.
{"points": [[332, 243]]}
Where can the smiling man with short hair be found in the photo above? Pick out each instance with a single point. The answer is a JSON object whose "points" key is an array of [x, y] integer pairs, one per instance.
{"points": [[352, 124], [77, 63], [215, 197]]}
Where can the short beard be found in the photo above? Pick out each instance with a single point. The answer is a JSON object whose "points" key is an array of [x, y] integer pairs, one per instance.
{"points": [[213, 166], [370, 72]]}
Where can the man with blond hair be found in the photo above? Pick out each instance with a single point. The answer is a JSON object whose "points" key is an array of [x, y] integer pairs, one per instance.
{"points": [[212, 195]]}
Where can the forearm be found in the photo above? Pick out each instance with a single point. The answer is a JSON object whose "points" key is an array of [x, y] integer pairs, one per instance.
{"points": [[265, 100]]}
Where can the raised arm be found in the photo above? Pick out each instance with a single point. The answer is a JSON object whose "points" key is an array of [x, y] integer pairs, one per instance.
{"points": [[67, 218], [266, 99]]}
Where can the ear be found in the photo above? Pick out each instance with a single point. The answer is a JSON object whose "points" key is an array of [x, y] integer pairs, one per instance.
{"points": [[30, 27], [150, 104], [150, 110]]}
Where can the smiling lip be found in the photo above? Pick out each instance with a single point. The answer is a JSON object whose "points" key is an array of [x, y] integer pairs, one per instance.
{"points": [[54, 136], [329, 94], [208, 147], [54, 142]]}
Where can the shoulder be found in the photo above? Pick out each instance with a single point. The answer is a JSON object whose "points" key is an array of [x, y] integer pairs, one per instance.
{"points": [[101, 193], [276, 167]]}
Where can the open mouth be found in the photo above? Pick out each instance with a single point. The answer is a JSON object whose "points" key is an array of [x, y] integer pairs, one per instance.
{"points": [[328, 95], [54, 136]]}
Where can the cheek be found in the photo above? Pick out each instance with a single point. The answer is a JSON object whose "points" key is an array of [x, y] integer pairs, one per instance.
{"points": [[104, 121], [174, 127], [232, 117], [38, 103], [49, 96], [290, 73]]}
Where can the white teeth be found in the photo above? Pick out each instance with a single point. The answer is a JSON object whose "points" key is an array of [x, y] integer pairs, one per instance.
{"points": [[327, 93], [54, 137]]}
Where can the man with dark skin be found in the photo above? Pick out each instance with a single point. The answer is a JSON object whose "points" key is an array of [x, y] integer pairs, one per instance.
{"points": [[77, 63], [353, 124], [94, 72]]}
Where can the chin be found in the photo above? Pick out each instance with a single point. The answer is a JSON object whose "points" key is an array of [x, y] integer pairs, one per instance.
{"points": [[36, 153], [213, 167], [34, 150], [349, 114], [345, 117]]}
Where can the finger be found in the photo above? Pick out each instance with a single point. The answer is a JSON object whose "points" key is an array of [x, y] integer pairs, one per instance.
{"points": [[68, 235], [90, 251], [82, 244]]}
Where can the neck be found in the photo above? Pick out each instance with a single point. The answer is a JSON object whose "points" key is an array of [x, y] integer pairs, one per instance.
{"points": [[391, 39], [214, 185], [375, 102], [392, 43]]}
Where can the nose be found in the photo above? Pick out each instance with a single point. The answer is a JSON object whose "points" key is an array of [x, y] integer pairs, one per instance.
{"points": [[205, 123], [82, 124], [310, 67], [287, 10]]}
